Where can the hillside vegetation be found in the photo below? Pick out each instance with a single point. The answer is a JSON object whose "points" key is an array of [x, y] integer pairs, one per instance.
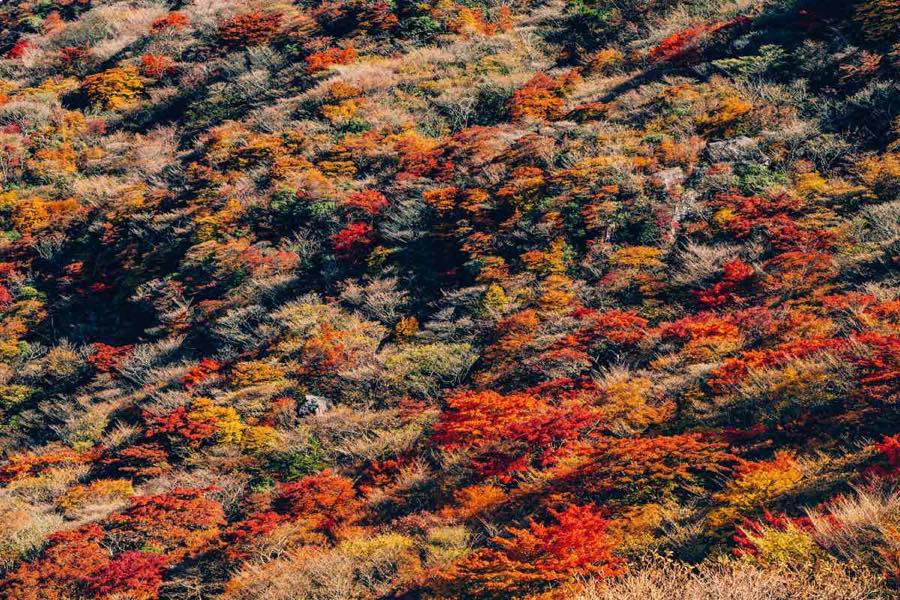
{"points": [[451, 299]]}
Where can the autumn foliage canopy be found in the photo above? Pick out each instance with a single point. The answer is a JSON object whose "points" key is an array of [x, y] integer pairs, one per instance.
{"points": [[371, 300]]}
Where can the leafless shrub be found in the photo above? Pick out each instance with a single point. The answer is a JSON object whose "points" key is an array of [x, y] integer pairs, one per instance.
{"points": [[229, 489], [255, 400], [801, 384], [205, 15], [699, 262], [354, 570], [141, 156], [239, 327], [86, 422], [666, 579], [425, 369], [127, 22], [378, 299], [50, 485], [23, 527], [165, 402], [861, 527], [120, 435], [380, 444], [31, 114], [258, 288], [48, 246], [882, 221], [347, 435], [137, 369]]}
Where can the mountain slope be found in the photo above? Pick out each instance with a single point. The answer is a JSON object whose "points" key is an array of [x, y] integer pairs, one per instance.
{"points": [[370, 299]]}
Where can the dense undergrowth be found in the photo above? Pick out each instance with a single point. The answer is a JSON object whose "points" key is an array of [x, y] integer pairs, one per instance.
{"points": [[375, 299]]}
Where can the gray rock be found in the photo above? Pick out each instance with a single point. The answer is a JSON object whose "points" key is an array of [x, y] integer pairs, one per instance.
{"points": [[316, 405], [670, 178], [739, 149]]}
